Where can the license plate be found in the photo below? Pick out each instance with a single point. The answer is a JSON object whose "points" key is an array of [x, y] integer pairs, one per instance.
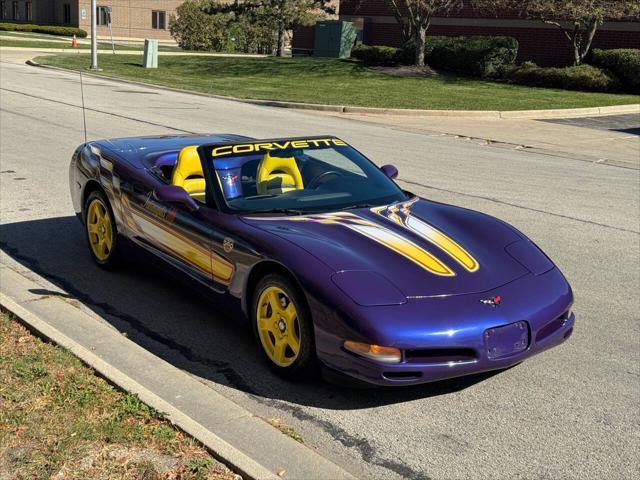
{"points": [[507, 340]]}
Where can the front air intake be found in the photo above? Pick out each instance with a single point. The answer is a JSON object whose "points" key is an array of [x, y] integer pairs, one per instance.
{"points": [[552, 327], [441, 355]]}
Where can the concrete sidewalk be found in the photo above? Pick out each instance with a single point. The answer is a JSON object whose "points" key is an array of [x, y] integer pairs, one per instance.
{"points": [[248, 444], [569, 141]]}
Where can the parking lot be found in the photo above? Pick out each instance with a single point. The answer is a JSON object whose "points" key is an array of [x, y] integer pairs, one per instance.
{"points": [[570, 412]]}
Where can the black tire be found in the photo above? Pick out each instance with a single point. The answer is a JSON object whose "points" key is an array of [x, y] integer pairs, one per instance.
{"points": [[305, 361], [112, 259]]}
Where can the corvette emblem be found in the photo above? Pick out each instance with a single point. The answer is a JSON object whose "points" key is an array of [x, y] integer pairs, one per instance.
{"points": [[492, 301], [227, 244]]}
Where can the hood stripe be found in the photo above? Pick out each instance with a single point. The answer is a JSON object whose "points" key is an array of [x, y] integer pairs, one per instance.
{"points": [[428, 233], [384, 236], [399, 214], [404, 247]]}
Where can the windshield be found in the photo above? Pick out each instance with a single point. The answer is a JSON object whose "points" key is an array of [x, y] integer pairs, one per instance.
{"points": [[300, 176]]}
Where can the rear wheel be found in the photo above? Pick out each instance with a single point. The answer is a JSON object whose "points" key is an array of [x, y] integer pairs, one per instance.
{"points": [[102, 234], [283, 326]]}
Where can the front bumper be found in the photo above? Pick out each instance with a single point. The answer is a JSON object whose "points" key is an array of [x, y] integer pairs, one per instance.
{"points": [[412, 373], [453, 347]]}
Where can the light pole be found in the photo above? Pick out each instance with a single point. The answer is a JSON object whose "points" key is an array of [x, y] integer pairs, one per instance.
{"points": [[94, 36]]}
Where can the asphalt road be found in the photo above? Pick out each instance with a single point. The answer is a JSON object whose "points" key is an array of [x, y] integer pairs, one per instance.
{"points": [[619, 123], [571, 412]]}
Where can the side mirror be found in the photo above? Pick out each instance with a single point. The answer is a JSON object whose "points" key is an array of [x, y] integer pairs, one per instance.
{"points": [[175, 194], [390, 171]]}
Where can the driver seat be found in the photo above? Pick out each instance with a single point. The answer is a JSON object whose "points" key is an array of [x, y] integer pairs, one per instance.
{"points": [[188, 173], [277, 175]]}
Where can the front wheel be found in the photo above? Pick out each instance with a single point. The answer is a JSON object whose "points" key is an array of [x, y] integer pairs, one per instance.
{"points": [[283, 326], [102, 235]]}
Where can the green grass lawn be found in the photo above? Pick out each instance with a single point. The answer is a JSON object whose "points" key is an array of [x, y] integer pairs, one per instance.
{"points": [[333, 81], [59, 420]]}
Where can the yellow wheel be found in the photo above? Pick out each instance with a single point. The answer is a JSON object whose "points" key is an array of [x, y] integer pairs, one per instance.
{"points": [[278, 326], [100, 228], [283, 326]]}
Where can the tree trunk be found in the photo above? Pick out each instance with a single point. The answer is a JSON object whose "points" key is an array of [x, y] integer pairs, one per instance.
{"points": [[421, 40], [586, 46], [280, 44], [406, 33], [576, 50]]}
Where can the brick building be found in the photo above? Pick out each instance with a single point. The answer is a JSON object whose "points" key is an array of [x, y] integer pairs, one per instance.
{"points": [[130, 18], [544, 44]]}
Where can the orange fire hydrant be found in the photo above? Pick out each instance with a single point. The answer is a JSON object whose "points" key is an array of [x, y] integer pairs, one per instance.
{"points": [[74, 42]]}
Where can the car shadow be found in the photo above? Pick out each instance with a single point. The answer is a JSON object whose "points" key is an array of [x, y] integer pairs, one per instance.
{"points": [[175, 321]]}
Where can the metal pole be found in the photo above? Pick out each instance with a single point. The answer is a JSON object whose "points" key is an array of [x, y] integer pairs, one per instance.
{"points": [[113, 45], [94, 36]]}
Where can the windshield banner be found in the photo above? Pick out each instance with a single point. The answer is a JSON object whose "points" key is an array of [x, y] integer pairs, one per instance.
{"points": [[274, 145]]}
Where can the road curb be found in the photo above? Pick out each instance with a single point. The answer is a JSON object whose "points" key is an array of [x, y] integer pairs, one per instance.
{"points": [[483, 114], [185, 397], [221, 449]]}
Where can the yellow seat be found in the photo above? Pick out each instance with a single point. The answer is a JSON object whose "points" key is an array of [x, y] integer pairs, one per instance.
{"points": [[188, 173], [278, 175]]}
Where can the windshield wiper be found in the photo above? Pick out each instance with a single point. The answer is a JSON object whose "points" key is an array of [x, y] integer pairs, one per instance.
{"points": [[286, 211], [359, 205]]}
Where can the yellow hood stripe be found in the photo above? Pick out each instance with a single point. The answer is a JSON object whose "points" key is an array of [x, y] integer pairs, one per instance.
{"points": [[384, 236], [427, 232]]}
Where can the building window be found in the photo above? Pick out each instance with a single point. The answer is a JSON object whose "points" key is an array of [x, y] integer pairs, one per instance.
{"points": [[104, 15], [15, 12], [159, 20], [67, 13], [3, 10], [29, 11]]}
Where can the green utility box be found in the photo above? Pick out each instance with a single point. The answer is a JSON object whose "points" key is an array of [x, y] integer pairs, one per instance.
{"points": [[150, 56], [334, 38]]}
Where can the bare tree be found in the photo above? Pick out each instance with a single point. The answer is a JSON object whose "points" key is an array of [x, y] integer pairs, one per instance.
{"points": [[578, 19], [414, 17]]}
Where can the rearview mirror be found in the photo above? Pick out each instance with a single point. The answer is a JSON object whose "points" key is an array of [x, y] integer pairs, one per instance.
{"points": [[175, 194], [390, 171]]}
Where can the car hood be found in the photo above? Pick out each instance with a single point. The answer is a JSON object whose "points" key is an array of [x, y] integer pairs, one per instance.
{"points": [[422, 248]]}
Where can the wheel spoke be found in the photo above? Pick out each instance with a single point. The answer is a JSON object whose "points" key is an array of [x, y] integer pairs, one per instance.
{"points": [[290, 315], [264, 324], [274, 301], [279, 350], [93, 228]]}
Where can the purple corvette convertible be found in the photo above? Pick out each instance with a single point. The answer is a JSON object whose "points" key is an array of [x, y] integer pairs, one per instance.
{"points": [[332, 263]]}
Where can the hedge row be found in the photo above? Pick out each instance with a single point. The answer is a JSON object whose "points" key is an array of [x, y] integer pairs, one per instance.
{"points": [[476, 56], [580, 77], [48, 29], [376, 55], [494, 57], [624, 63]]}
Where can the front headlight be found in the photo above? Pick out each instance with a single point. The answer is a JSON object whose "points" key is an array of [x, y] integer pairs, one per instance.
{"points": [[374, 352], [527, 254]]}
